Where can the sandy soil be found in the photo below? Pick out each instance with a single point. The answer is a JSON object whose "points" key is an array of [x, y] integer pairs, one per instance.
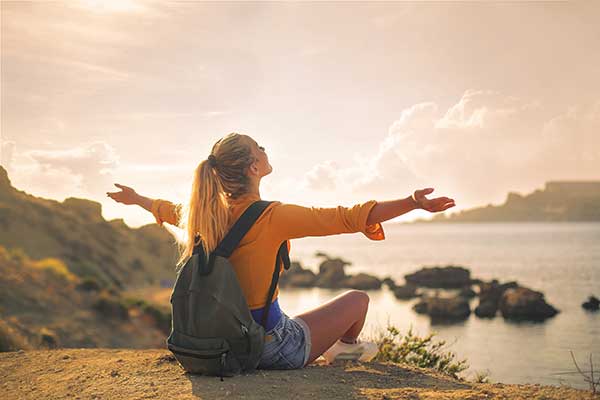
{"points": [[154, 374]]}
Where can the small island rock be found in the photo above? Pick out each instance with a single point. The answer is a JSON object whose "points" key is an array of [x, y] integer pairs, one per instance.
{"points": [[593, 304], [525, 304], [440, 277]]}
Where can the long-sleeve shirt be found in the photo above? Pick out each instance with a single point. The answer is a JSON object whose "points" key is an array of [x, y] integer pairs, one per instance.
{"points": [[254, 258]]}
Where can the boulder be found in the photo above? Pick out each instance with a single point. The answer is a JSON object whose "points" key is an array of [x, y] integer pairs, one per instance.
{"points": [[525, 304], [306, 279], [361, 282], [389, 282], [444, 308], [467, 292], [440, 277], [486, 309], [297, 276], [331, 273], [489, 297], [592, 304], [405, 292]]}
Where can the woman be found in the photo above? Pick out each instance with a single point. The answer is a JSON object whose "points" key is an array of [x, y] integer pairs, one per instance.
{"points": [[224, 185]]}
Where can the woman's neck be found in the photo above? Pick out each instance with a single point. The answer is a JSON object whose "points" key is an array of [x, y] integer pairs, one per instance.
{"points": [[254, 187]]}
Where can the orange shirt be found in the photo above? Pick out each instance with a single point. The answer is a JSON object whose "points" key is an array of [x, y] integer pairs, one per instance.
{"points": [[254, 258]]}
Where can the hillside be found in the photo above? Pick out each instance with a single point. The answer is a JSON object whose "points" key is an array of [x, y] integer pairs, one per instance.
{"points": [[44, 305], [568, 201], [153, 374], [75, 232]]}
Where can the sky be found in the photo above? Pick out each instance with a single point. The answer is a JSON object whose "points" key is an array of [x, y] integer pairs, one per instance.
{"points": [[353, 101]]}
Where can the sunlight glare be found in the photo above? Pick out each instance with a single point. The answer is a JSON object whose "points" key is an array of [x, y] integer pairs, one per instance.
{"points": [[111, 5]]}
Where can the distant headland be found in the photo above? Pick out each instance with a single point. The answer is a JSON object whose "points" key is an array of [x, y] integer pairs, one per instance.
{"points": [[559, 201]]}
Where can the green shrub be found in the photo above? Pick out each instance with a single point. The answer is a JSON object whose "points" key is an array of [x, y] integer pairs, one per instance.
{"points": [[161, 316], [422, 352], [110, 307], [482, 377], [54, 266], [88, 284]]}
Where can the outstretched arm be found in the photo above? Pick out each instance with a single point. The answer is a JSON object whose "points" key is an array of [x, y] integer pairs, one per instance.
{"points": [[385, 210], [291, 221], [163, 210]]}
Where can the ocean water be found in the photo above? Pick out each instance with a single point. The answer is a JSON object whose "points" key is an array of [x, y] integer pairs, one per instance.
{"points": [[560, 259]]}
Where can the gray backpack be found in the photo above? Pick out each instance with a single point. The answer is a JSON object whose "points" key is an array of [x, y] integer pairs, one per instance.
{"points": [[212, 330]]}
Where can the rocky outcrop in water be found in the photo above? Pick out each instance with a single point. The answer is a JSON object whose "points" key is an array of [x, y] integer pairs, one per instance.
{"points": [[592, 304], [525, 304], [332, 275], [440, 277], [405, 292], [489, 297], [444, 308], [362, 282]]}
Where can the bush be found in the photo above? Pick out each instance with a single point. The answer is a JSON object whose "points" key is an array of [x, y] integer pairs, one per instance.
{"points": [[54, 266], [161, 317], [422, 352], [110, 307], [89, 284]]}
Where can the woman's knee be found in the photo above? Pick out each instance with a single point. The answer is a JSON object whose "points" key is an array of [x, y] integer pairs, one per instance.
{"points": [[359, 297]]}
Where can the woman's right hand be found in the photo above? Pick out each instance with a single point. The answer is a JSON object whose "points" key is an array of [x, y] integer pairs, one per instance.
{"points": [[126, 196]]}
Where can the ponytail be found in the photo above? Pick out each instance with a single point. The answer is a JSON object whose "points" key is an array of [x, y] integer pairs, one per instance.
{"points": [[206, 216]]}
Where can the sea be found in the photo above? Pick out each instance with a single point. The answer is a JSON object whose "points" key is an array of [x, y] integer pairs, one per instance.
{"points": [[561, 259]]}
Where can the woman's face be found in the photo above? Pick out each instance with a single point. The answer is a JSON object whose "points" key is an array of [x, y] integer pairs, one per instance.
{"points": [[261, 166]]}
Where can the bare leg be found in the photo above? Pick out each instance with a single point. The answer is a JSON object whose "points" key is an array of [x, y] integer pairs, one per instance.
{"points": [[341, 317]]}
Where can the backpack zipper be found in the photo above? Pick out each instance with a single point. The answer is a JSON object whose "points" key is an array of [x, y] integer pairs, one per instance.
{"points": [[217, 355], [246, 333]]}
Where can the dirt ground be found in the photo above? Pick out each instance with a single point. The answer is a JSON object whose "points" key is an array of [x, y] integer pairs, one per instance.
{"points": [[154, 374]]}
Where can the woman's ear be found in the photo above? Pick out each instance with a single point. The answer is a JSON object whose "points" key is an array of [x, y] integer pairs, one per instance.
{"points": [[253, 169]]}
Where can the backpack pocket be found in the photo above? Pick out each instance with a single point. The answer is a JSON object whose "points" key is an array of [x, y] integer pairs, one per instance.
{"points": [[206, 356]]}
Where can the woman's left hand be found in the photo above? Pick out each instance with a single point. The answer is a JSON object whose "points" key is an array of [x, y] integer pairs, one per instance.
{"points": [[432, 205]]}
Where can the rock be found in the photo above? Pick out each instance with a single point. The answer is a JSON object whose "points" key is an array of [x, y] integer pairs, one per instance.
{"points": [[297, 276], [467, 292], [304, 279], [362, 282], [331, 273], [444, 308], [486, 309], [593, 304], [389, 282], [525, 304], [421, 307], [489, 297], [440, 277], [405, 292]]}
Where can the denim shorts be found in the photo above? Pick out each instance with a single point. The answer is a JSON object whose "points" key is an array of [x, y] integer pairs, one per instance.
{"points": [[287, 345]]}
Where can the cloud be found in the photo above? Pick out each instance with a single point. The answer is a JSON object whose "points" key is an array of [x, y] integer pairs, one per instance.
{"points": [[84, 171], [475, 151], [322, 176], [7, 153], [489, 143]]}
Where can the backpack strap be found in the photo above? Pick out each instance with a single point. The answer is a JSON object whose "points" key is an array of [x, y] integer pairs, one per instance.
{"points": [[240, 228], [235, 235], [282, 256]]}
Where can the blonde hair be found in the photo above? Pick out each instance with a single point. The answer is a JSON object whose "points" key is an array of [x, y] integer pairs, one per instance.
{"points": [[206, 216]]}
